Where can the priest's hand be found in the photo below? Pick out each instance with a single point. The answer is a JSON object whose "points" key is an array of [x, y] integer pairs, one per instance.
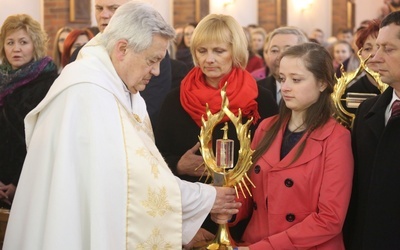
{"points": [[201, 236], [225, 205], [191, 163]]}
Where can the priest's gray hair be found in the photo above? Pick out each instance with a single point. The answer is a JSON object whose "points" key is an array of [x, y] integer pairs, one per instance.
{"points": [[137, 22]]}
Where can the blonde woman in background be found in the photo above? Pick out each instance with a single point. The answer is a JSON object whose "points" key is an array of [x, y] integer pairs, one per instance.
{"points": [[26, 74], [258, 37], [58, 45]]}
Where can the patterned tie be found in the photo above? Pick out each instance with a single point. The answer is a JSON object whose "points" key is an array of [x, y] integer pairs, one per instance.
{"points": [[395, 109]]}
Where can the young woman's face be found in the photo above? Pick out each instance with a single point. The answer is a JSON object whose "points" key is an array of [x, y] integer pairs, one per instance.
{"points": [[61, 41], [341, 52], [187, 35], [18, 48], [257, 41], [300, 89]]}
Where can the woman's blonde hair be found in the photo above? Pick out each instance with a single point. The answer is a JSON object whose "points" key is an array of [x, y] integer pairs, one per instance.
{"points": [[32, 27], [318, 61], [221, 29], [56, 51]]}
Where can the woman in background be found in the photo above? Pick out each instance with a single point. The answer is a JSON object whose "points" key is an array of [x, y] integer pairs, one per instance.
{"points": [[258, 37], [341, 51], [366, 41], [255, 61], [303, 163], [58, 45], [26, 75], [183, 53], [74, 40], [343, 54]]}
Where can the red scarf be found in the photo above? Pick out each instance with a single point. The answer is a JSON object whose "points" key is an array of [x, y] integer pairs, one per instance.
{"points": [[241, 91]]}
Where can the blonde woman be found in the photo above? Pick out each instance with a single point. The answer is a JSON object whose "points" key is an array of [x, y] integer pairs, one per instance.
{"points": [[58, 45]]}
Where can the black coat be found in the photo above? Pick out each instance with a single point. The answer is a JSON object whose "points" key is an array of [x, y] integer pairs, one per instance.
{"points": [[176, 131], [373, 219], [12, 135], [157, 89], [178, 71], [268, 83]]}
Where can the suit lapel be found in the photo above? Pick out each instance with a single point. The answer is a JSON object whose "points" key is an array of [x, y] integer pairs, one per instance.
{"points": [[375, 117]]}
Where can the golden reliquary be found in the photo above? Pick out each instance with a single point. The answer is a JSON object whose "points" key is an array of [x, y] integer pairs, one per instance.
{"points": [[220, 167], [352, 100]]}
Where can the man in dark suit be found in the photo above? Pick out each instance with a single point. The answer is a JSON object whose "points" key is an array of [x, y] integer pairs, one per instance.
{"points": [[270, 83], [373, 219], [277, 42]]}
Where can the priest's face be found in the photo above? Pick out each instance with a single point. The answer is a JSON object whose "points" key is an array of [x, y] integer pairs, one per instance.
{"points": [[135, 69]]}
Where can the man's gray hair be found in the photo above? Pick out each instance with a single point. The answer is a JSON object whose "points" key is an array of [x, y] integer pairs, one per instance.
{"points": [[288, 30], [137, 22]]}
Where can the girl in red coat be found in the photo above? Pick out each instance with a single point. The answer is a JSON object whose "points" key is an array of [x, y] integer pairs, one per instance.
{"points": [[303, 163]]}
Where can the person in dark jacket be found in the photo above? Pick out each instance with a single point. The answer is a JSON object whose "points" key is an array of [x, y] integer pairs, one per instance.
{"points": [[373, 217], [26, 75], [218, 60], [183, 53]]}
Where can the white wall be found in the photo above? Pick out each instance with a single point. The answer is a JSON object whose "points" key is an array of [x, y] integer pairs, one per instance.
{"points": [[317, 14], [163, 6], [367, 9], [244, 11], [12, 7]]}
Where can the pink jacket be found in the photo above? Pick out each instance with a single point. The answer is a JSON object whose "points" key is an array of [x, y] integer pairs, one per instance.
{"points": [[300, 205], [259, 73]]}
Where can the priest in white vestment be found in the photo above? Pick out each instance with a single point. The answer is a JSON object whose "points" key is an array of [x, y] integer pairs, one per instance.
{"points": [[93, 177]]}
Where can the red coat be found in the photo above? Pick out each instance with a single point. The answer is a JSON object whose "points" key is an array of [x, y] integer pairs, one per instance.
{"points": [[300, 205]]}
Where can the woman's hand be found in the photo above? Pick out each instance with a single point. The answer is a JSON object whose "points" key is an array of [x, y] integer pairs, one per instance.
{"points": [[190, 163]]}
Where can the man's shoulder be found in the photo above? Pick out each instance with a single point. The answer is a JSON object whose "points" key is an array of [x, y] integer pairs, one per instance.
{"points": [[374, 104]]}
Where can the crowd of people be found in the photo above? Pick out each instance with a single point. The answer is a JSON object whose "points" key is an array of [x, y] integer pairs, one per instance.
{"points": [[100, 142]]}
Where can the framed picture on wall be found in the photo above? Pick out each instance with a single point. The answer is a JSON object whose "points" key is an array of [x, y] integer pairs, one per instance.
{"points": [[202, 9], [79, 11]]}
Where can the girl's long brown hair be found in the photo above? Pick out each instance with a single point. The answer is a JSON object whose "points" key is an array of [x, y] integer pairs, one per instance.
{"points": [[318, 61]]}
